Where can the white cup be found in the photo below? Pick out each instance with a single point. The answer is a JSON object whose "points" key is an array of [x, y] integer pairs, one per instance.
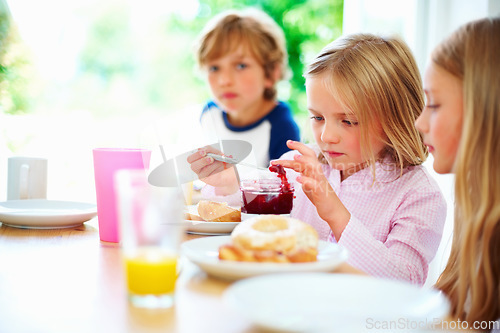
{"points": [[26, 178]]}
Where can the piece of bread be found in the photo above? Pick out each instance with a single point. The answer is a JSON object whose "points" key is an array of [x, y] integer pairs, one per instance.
{"points": [[272, 238], [191, 213], [193, 217], [213, 211]]}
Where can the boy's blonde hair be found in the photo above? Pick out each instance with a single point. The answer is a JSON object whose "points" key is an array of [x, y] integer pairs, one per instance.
{"points": [[471, 278], [377, 79], [253, 29]]}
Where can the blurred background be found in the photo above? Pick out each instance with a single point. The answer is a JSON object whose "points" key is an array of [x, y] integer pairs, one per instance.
{"points": [[117, 73], [80, 74]]}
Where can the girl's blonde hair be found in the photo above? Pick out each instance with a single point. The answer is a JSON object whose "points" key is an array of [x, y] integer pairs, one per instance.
{"points": [[471, 278], [250, 28], [377, 79]]}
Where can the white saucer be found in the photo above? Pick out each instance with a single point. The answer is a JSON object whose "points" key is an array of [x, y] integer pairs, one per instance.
{"points": [[45, 214], [208, 233], [322, 302], [204, 252], [209, 228]]}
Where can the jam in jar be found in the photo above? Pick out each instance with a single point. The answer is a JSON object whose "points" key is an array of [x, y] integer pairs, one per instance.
{"points": [[267, 196]]}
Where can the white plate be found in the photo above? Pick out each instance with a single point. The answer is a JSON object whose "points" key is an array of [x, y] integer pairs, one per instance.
{"points": [[207, 228], [204, 252], [322, 302], [210, 228], [45, 214]]}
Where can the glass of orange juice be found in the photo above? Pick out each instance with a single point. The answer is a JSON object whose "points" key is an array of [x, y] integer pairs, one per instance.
{"points": [[151, 229]]}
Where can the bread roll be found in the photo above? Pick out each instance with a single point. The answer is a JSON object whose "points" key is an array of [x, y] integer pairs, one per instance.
{"points": [[191, 213], [213, 211], [193, 217], [272, 238]]}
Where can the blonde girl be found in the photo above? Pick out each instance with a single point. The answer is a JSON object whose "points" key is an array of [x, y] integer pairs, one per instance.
{"points": [[461, 126], [362, 184]]}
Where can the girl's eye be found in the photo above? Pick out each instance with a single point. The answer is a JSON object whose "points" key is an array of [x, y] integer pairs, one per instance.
{"points": [[350, 122], [241, 66], [432, 107], [316, 118], [430, 103]]}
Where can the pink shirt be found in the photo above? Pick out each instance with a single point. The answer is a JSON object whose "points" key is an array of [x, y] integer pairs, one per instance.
{"points": [[396, 223]]}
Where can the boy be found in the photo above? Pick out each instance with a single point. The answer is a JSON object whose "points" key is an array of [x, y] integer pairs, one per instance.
{"points": [[243, 55]]}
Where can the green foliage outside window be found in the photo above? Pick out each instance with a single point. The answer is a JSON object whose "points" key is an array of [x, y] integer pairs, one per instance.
{"points": [[308, 27], [124, 68], [14, 68]]}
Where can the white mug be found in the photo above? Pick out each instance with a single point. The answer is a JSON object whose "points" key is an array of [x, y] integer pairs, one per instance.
{"points": [[27, 178]]}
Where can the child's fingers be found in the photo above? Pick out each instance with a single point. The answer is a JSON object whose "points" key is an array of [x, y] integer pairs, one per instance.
{"points": [[316, 190], [310, 183], [202, 152], [302, 148], [199, 160], [298, 164], [199, 164], [310, 166], [285, 163], [210, 170], [303, 164], [196, 156], [291, 164], [311, 188]]}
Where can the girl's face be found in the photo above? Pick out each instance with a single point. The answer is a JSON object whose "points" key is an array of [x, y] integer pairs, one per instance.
{"points": [[337, 131], [441, 121], [237, 81]]}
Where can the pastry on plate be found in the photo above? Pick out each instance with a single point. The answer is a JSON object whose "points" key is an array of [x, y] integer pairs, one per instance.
{"points": [[271, 238]]}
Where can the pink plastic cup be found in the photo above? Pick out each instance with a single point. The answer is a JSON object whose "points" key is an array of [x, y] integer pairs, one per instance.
{"points": [[106, 162]]}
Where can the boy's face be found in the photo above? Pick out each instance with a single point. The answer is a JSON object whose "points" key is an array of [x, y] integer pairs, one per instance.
{"points": [[336, 131], [237, 81], [441, 120]]}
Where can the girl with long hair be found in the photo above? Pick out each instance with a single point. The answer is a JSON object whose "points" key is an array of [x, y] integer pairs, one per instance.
{"points": [[461, 125]]}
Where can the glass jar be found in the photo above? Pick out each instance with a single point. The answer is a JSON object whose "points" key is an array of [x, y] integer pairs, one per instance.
{"points": [[266, 196]]}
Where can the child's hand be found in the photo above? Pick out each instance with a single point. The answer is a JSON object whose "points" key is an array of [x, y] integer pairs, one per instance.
{"points": [[314, 183], [316, 187], [215, 173], [204, 165]]}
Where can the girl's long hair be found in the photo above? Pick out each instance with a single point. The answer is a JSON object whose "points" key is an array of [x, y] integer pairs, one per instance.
{"points": [[377, 79], [471, 278]]}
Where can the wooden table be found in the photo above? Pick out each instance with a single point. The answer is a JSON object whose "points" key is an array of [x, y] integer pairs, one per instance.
{"points": [[67, 280]]}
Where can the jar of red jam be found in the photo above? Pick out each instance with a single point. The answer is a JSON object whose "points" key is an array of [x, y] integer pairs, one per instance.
{"points": [[266, 196]]}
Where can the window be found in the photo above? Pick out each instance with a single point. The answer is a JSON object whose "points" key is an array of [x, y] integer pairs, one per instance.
{"points": [[94, 73]]}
